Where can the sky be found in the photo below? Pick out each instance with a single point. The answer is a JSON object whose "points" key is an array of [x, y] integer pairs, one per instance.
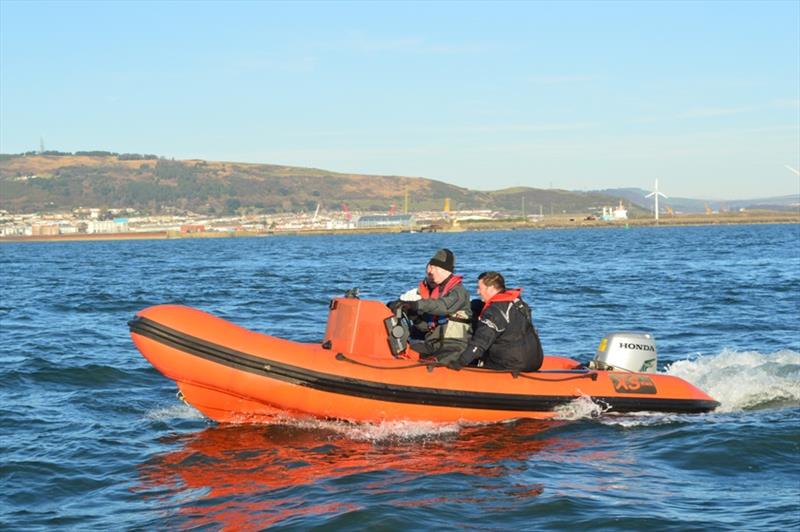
{"points": [[703, 96]]}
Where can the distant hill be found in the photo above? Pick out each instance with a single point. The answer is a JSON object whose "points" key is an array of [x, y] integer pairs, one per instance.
{"points": [[636, 196], [58, 181]]}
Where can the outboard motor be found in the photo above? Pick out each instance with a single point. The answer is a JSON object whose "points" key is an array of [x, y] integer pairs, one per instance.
{"points": [[626, 351]]}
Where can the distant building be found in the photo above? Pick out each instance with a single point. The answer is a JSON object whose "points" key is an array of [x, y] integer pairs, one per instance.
{"points": [[13, 230], [386, 220], [107, 226], [67, 229], [44, 230], [611, 214], [193, 228]]}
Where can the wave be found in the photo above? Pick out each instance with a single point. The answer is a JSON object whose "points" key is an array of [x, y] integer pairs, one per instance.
{"points": [[744, 380], [367, 432], [739, 380], [380, 431], [179, 411], [581, 408]]}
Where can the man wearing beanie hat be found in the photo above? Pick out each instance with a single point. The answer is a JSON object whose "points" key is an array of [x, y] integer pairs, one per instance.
{"points": [[439, 309], [444, 259]]}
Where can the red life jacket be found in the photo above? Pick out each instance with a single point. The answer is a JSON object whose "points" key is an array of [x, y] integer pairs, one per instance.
{"points": [[509, 294], [438, 291]]}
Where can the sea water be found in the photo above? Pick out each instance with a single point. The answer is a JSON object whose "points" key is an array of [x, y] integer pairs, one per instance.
{"points": [[93, 438]]}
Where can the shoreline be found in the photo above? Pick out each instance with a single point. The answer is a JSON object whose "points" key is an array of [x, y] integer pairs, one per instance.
{"points": [[557, 222]]}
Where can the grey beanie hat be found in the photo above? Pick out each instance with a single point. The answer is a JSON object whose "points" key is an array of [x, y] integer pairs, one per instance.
{"points": [[444, 259]]}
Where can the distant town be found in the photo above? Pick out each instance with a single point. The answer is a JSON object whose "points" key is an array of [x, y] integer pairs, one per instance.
{"points": [[127, 221]]}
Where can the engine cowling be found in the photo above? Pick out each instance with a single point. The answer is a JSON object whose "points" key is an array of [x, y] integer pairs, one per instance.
{"points": [[626, 351]]}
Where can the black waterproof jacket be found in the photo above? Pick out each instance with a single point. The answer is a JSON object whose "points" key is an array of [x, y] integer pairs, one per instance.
{"points": [[505, 338]]}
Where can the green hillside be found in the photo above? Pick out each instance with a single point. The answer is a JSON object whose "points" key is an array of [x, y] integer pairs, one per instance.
{"points": [[60, 181]]}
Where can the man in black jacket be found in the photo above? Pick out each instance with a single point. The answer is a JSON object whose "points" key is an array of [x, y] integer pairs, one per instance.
{"points": [[504, 335]]}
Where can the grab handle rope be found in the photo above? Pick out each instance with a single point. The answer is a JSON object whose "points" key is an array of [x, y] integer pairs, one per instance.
{"points": [[342, 356], [432, 365]]}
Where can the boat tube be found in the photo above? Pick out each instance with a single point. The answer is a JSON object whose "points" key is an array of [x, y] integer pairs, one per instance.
{"points": [[364, 370]]}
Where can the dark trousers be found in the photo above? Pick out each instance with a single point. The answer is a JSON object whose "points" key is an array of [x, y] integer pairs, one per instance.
{"points": [[443, 352]]}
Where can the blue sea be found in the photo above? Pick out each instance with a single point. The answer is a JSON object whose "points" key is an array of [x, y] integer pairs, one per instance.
{"points": [[93, 438]]}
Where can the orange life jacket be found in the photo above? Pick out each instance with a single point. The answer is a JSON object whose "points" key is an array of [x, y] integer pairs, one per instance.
{"points": [[509, 294], [437, 292]]}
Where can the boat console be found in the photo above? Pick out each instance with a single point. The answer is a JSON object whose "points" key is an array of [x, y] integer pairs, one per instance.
{"points": [[356, 327]]}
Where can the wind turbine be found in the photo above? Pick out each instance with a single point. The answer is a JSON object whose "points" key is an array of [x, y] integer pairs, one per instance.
{"points": [[794, 170], [655, 193]]}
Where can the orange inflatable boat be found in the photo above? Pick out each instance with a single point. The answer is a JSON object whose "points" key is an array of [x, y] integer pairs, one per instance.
{"points": [[364, 371]]}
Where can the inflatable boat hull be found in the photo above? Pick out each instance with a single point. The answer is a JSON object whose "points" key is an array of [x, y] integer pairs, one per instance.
{"points": [[232, 374]]}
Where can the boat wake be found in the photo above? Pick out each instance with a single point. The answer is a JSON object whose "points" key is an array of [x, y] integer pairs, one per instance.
{"points": [[581, 408], [376, 432], [745, 380], [366, 432], [739, 380], [173, 412]]}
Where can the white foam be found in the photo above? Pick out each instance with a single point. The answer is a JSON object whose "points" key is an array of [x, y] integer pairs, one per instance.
{"points": [[581, 408], [388, 430], [374, 432], [179, 411], [744, 380], [647, 419]]}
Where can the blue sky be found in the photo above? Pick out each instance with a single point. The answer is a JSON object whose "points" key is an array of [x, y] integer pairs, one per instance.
{"points": [[704, 96]]}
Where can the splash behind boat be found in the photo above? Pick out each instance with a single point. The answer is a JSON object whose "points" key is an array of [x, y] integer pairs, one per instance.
{"points": [[363, 371]]}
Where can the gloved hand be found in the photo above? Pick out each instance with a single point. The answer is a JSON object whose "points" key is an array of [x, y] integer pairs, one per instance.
{"points": [[412, 295], [410, 306], [455, 364], [394, 305]]}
